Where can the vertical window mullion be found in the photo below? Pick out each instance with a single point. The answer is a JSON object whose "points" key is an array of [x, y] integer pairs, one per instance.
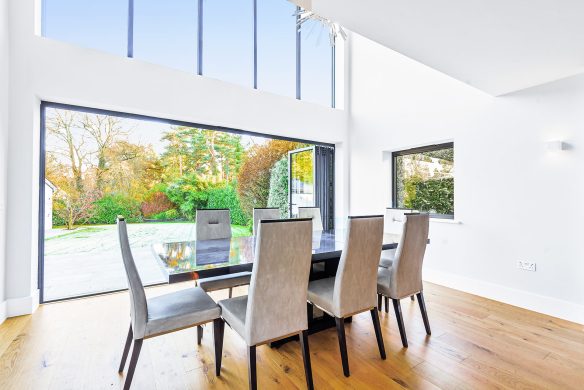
{"points": [[333, 74], [255, 44], [298, 52], [130, 28], [200, 38]]}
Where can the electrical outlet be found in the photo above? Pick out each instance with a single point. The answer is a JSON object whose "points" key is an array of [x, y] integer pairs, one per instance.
{"points": [[526, 265]]}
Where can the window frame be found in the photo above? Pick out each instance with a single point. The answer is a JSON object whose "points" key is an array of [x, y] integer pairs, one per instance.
{"points": [[407, 152]]}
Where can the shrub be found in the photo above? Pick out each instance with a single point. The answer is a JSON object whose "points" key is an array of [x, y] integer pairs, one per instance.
{"points": [[225, 197], [189, 193], [106, 209], [166, 215], [156, 203], [434, 195], [278, 195]]}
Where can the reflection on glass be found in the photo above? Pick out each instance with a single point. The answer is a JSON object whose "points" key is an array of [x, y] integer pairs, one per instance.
{"points": [[316, 63], [228, 40], [277, 47], [101, 25], [301, 180], [213, 251], [165, 33]]}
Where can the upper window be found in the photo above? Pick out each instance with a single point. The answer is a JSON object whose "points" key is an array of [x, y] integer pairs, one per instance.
{"points": [[423, 179], [317, 59], [228, 40], [254, 43], [165, 33], [99, 25], [277, 47]]}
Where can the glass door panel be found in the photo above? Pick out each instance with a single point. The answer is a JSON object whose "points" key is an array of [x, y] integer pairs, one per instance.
{"points": [[301, 174]]}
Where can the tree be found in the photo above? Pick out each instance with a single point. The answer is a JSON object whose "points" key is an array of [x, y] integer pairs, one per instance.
{"points": [[278, 194], [254, 176], [104, 131]]}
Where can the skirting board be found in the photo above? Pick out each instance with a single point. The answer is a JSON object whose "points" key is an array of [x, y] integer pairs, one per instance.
{"points": [[3, 312], [546, 305], [21, 306]]}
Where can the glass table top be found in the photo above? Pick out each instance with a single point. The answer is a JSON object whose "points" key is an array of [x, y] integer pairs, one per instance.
{"points": [[196, 256]]}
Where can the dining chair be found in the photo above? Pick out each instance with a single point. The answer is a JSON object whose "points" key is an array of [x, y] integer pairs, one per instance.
{"points": [[264, 213], [393, 223], [404, 277], [351, 291], [151, 317], [215, 224], [311, 212], [276, 305]]}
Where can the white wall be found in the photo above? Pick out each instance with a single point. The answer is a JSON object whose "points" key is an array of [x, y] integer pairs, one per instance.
{"points": [[514, 199], [3, 145], [42, 69]]}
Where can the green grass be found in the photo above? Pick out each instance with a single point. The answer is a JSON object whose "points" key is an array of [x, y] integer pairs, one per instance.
{"points": [[240, 231], [78, 230]]}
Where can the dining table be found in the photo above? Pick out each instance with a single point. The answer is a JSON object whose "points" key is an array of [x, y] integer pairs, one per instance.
{"points": [[197, 259]]}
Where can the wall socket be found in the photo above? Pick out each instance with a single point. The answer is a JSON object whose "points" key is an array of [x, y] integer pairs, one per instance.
{"points": [[526, 265]]}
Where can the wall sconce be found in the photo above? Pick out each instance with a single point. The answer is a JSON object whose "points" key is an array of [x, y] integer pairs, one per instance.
{"points": [[556, 146]]}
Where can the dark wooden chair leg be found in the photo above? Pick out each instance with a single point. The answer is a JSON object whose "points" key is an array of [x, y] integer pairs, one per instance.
{"points": [[133, 362], [218, 331], [343, 345], [230, 292], [309, 311], [306, 357], [251, 357], [378, 335], [386, 304], [199, 334], [424, 313], [412, 298], [126, 349], [379, 302], [400, 322]]}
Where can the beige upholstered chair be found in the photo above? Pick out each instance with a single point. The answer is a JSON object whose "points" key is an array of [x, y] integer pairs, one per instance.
{"points": [[311, 212], [351, 290], [393, 224], [404, 277], [276, 305], [163, 314], [263, 213], [215, 224]]}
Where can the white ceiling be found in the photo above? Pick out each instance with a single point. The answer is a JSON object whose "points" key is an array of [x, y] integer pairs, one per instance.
{"points": [[498, 46]]}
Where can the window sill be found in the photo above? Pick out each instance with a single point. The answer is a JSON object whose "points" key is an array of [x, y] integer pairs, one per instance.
{"points": [[446, 220]]}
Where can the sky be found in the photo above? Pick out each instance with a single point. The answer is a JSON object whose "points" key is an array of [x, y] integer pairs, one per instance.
{"points": [[165, 33]]}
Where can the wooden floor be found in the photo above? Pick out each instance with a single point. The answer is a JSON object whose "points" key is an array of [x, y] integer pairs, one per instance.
{"points": [[476, 343]]}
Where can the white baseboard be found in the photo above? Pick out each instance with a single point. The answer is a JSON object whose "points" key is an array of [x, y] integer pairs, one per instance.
{"points": [[547, 305], [21, 306], [3, 315]]}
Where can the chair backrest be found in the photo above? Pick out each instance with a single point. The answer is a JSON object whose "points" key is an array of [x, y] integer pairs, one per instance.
{"points": [[278, 290], [213, 224], [394, 219], [138, 305], [311, 212], [406, 275], [355, 287], [264, 213]]}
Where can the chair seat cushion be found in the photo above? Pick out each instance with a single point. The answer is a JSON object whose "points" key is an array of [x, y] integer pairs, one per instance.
{"points": [[384, 281], [180, 309], [320, 292], [222, 282], [233, 311], [387, 258]]}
